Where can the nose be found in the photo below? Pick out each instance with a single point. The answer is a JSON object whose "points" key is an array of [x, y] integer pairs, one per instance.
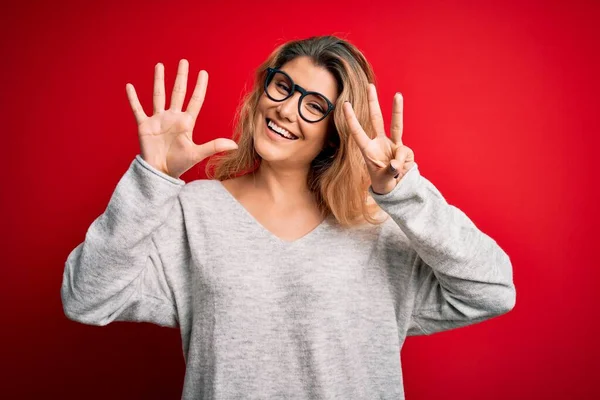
{"points": [[288, 108]]}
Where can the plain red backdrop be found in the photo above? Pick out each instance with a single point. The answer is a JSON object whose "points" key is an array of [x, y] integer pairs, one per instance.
{"points": [[501, 110]]}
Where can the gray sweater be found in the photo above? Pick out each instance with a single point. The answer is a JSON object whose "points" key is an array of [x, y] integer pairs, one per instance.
{"points": [[322, 317]]}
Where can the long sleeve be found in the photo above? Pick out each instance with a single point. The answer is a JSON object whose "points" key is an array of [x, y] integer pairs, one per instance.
{"points": [[460, 275], [117, 273]]}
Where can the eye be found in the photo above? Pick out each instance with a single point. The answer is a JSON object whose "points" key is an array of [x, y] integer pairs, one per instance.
{"points": [[317, 107], [283, 86]]}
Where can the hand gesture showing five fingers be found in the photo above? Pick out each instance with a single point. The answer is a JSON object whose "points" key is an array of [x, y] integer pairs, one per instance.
{"points": [[388, 160], [166, 137]]}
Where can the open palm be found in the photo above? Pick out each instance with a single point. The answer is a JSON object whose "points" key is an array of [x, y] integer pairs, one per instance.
{"points": [[166, 137]]}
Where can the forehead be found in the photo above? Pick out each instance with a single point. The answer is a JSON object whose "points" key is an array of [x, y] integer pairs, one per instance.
{"points": [[311, 77]]}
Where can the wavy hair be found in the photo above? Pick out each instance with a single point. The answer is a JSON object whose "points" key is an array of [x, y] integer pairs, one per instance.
{"points": [[338, 175]]}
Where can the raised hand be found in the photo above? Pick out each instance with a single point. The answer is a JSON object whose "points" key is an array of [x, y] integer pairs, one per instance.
{"points": [[388, 160], [166, 137]]}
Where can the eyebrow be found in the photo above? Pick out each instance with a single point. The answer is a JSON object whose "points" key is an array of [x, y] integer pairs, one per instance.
{"points": [[304, 87]]}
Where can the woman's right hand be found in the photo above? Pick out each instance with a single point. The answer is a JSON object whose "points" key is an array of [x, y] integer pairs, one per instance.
{"points": [[166, 137]]}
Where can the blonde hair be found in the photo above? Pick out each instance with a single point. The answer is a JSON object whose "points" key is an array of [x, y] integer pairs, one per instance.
{"points": [[338, 176]]}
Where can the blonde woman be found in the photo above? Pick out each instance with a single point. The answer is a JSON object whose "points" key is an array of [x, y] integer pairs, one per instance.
{"points": [[313, 250]]}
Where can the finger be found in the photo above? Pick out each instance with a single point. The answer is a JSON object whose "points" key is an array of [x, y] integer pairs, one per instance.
{"points": [[197, 99], [358, 133], [395, 168], [398, 163], [158, 95], [375, 111], [393, 171], [180, 86], [397, 119], [134, 102], [215, 146]]}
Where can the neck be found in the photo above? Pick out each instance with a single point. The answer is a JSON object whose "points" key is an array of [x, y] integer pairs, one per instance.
{"points": [[283, 185]]}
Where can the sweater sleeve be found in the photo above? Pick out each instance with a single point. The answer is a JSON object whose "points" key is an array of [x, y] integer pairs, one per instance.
{"points": [[460, 275], [117, 273]]}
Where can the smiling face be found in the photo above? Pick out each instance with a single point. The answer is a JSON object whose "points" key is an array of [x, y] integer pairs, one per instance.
{"points": [[272, 115]]}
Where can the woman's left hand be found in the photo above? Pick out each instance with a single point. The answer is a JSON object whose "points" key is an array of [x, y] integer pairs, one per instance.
{"points": [[388, 160]]}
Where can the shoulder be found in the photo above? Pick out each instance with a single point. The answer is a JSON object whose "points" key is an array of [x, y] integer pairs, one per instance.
{"points": [[202, 185], [201, 190], [204, 202], [384, 233]]}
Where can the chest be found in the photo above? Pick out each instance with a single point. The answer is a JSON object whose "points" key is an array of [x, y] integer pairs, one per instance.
{"points": [[267, 285], [285, 224], [247, 268], [286, 220]]}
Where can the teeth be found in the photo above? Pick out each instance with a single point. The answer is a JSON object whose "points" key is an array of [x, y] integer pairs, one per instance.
{"points": [[281, 130]]}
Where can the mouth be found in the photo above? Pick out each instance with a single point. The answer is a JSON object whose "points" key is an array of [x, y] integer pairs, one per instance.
{"points": [[272, 126]]}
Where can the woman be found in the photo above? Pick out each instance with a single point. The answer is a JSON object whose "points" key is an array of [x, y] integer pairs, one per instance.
{"points": [[279, 274]]}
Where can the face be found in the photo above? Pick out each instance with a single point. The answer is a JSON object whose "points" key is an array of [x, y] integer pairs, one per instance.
{"points": [[284, 114]]}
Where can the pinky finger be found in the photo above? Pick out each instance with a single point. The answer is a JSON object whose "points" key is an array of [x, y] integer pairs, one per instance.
{"points": [[134, 102]]}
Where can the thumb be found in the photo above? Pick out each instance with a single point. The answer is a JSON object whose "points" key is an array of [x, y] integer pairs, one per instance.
{"points": [[207, 149]]}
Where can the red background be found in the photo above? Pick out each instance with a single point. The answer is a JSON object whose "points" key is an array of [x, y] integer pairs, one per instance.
{"points": [[501, 110]]}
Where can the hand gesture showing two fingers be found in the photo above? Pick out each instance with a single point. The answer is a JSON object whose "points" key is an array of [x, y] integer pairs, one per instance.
{"points": [[166, 137], [388, 160]]}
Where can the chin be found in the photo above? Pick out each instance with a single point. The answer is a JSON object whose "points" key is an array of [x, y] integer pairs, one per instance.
{"points": [[270, 154], [266, 149]]}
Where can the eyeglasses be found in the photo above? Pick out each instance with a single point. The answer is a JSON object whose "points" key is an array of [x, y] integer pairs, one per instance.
{"points": [[312, 106]]}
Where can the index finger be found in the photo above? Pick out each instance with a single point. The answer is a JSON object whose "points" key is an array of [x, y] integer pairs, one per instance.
{"points": [[357, 131], [375, 111], [397, 119], [197, 99]]}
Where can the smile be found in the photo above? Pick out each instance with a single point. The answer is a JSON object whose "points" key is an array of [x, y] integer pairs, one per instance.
{"points": [[280, 131]]}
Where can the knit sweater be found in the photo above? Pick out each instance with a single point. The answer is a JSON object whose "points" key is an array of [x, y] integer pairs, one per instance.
{"points": [[321, 317]]}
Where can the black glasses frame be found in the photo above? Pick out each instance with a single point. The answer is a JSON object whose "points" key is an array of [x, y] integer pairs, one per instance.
{"points": [[271, 72]]}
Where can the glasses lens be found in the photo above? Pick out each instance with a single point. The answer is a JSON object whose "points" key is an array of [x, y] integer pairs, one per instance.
{"points": [[279, 87], [313, 107]]}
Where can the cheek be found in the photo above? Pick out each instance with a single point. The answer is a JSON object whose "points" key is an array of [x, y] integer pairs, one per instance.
{"points": [[316, 133], [264, 103], [314, 142]]}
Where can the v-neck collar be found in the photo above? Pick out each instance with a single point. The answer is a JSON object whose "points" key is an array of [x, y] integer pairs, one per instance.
{"points": [[267, 233]]}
